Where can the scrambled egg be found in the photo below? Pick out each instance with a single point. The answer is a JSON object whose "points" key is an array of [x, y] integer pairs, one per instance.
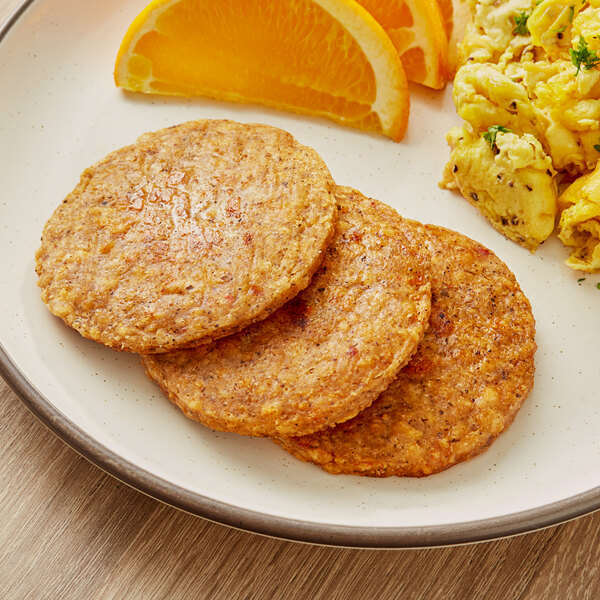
{"points": [[517, 164], [529, 87], [579, 225]]}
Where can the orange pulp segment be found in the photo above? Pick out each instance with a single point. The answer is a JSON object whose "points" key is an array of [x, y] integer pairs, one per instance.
{"points": [[417, 30], [456, 15], [320, 57]]}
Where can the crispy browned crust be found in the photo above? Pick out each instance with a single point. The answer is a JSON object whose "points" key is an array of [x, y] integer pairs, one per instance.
{"points": [[192, 232], [326, 354], [463, 387]]}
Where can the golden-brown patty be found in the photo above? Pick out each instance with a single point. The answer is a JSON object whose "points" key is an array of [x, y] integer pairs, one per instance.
{"points": [[192, 232], [461, 389], [327, 353]]}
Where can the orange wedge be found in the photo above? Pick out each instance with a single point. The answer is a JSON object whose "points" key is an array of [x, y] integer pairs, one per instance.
{"points": [[417, 30], [457, 15], [319, 57]]}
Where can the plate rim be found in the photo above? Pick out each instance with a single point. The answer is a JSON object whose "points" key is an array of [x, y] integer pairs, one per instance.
{"points": [[261, 523], [282, 527]]}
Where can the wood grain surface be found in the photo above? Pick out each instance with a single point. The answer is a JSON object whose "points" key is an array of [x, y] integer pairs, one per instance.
{"points": [[68, 530]]}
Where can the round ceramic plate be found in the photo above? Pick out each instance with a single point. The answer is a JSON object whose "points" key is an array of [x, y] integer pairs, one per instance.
{"points": [[60, 112]]}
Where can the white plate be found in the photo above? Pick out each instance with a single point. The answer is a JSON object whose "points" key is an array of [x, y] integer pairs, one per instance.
{"points": [[60, 112]]}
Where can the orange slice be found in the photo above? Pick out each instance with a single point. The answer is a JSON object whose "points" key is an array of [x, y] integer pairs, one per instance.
{"points": [[319, 57], [457, 15], [416, 28]]}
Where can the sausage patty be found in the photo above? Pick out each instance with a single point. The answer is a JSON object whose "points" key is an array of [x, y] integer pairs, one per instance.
{"points": [[327, 353], [189, 234], [463, 387]]}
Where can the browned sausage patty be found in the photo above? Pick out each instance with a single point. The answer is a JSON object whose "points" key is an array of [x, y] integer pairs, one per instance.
{"points": [[326, 354], [192, 232], [463, 387]]}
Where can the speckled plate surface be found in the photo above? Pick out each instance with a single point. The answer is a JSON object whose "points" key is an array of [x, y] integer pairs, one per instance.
{"points": [[60, 112]]}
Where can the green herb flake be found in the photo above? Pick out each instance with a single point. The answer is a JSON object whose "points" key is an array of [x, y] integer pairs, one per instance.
{"points": [[598, 285], [571, 13], [580, 280], [597, 147], [490, 135], [521, 24], [583, 56]]}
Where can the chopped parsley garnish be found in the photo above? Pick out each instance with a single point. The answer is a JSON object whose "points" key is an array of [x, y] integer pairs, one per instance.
{"points": [[597, 147], [521, 24], [580, 280], [598, 285], [571, 13], [583, 56], [490, 135]]}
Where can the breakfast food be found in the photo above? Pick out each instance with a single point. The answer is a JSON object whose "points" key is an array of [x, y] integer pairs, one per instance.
{"points": [[579, 226], [417, 30], [328, 58], [326, 354], [529, 85], [267, 301], [464, 386], [457, 16], [512, 183], [189, 234]]}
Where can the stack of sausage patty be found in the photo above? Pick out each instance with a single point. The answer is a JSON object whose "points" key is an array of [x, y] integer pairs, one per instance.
{"points": [[268, 301]]}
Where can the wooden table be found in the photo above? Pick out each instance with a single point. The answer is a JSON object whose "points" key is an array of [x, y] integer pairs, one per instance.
{"points": [[67, 530]]}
